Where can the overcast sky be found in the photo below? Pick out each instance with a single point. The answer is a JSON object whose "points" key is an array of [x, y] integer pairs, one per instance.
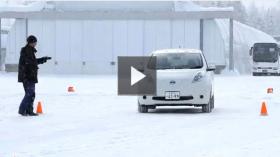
{"points": [[263, 3]]}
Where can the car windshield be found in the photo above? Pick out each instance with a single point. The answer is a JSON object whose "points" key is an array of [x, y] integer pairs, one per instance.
{"points": [[179, 61], [265, 54]]}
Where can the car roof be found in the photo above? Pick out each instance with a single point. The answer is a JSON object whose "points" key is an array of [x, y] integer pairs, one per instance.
{"points": [[176, 51]]}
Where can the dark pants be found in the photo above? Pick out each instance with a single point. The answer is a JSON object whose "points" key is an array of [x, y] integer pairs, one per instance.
{"points": [[26, 105]]}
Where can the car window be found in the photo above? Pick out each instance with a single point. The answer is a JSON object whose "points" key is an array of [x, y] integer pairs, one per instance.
{"points": [[179, 61]]}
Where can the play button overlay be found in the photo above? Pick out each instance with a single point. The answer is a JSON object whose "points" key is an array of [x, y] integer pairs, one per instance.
{"points": [[136, 75]]}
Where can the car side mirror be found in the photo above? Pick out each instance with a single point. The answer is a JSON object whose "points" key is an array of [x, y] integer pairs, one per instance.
{"points": [[211, 68], [251, 51]]}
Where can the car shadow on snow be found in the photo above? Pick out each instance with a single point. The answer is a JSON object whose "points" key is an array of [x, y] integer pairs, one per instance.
{"points": [[176, 111]]}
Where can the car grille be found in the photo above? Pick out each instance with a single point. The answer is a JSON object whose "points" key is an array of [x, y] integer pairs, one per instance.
{"points": [[264, 67]]}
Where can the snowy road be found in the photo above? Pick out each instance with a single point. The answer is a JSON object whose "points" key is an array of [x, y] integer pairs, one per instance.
{"points": [[96, 122]]}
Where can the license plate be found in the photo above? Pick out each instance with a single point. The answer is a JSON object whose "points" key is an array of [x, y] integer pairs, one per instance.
{"points": [[264, 71], [172, 95]]}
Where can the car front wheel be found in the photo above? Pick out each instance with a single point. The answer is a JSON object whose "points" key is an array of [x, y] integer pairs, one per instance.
{"points": [[207, 108], [142, 108], [212, 102]]}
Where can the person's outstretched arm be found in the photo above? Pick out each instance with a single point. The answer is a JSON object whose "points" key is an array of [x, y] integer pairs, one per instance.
{"points": [[43, 60]]}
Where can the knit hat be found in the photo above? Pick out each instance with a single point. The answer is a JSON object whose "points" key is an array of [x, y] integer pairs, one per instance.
{"points": [[31, 39]]}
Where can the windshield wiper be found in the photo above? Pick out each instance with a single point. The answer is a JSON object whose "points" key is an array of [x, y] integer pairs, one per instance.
{"points": [[196, 67]]}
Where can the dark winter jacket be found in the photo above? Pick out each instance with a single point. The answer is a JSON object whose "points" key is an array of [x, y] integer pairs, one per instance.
{"points": [[28, 65]]}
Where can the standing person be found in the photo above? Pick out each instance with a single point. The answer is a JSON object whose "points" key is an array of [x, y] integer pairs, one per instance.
{"points": [[27, 74]]}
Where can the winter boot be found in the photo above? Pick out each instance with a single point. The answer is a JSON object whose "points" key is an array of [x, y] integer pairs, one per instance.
{"points": [[32, 114], [23, 113], [30, 111]]}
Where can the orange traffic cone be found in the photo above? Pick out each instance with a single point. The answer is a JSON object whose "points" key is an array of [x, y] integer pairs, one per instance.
{"points": [[39, 108], [71, 89], [269, 90], [263, 109]]}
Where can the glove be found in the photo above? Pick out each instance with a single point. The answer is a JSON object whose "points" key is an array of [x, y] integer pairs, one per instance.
{"points": [[43, 60], [46, 58]]}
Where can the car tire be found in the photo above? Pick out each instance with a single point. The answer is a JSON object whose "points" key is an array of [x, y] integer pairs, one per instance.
{"points": [[257, 74], [212, 102], [142, 108], [207, 108]]}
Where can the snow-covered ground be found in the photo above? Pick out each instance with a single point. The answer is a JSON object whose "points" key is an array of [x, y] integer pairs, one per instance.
{"points": [[94, 121]]}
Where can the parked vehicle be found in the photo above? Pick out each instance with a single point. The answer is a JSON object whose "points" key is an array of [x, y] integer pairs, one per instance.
{"points": [[265, 59], [183, 79]]}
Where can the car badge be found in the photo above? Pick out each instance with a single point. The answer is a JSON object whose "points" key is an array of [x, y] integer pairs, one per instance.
{"points": [[172, 82]]}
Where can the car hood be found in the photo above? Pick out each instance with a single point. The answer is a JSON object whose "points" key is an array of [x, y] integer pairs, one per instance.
{"points": [[175, 80]]}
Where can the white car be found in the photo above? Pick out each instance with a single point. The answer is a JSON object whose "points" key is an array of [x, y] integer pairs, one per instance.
{"points": [[183, 79]]}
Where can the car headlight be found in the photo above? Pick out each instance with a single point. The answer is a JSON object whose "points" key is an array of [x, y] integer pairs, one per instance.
{"points": [[198, 77]]}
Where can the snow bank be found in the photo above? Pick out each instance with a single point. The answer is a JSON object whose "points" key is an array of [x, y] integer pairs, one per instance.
{"points": [[227, 72]]}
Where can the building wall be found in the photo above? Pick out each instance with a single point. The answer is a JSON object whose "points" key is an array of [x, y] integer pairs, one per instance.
{"points": [[214, 45], [15, 40], [92, 46]]}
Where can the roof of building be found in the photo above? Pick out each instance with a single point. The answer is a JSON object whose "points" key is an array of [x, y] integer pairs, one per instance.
{"points": [[184, 9], [176, 6], [34, 6]]}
